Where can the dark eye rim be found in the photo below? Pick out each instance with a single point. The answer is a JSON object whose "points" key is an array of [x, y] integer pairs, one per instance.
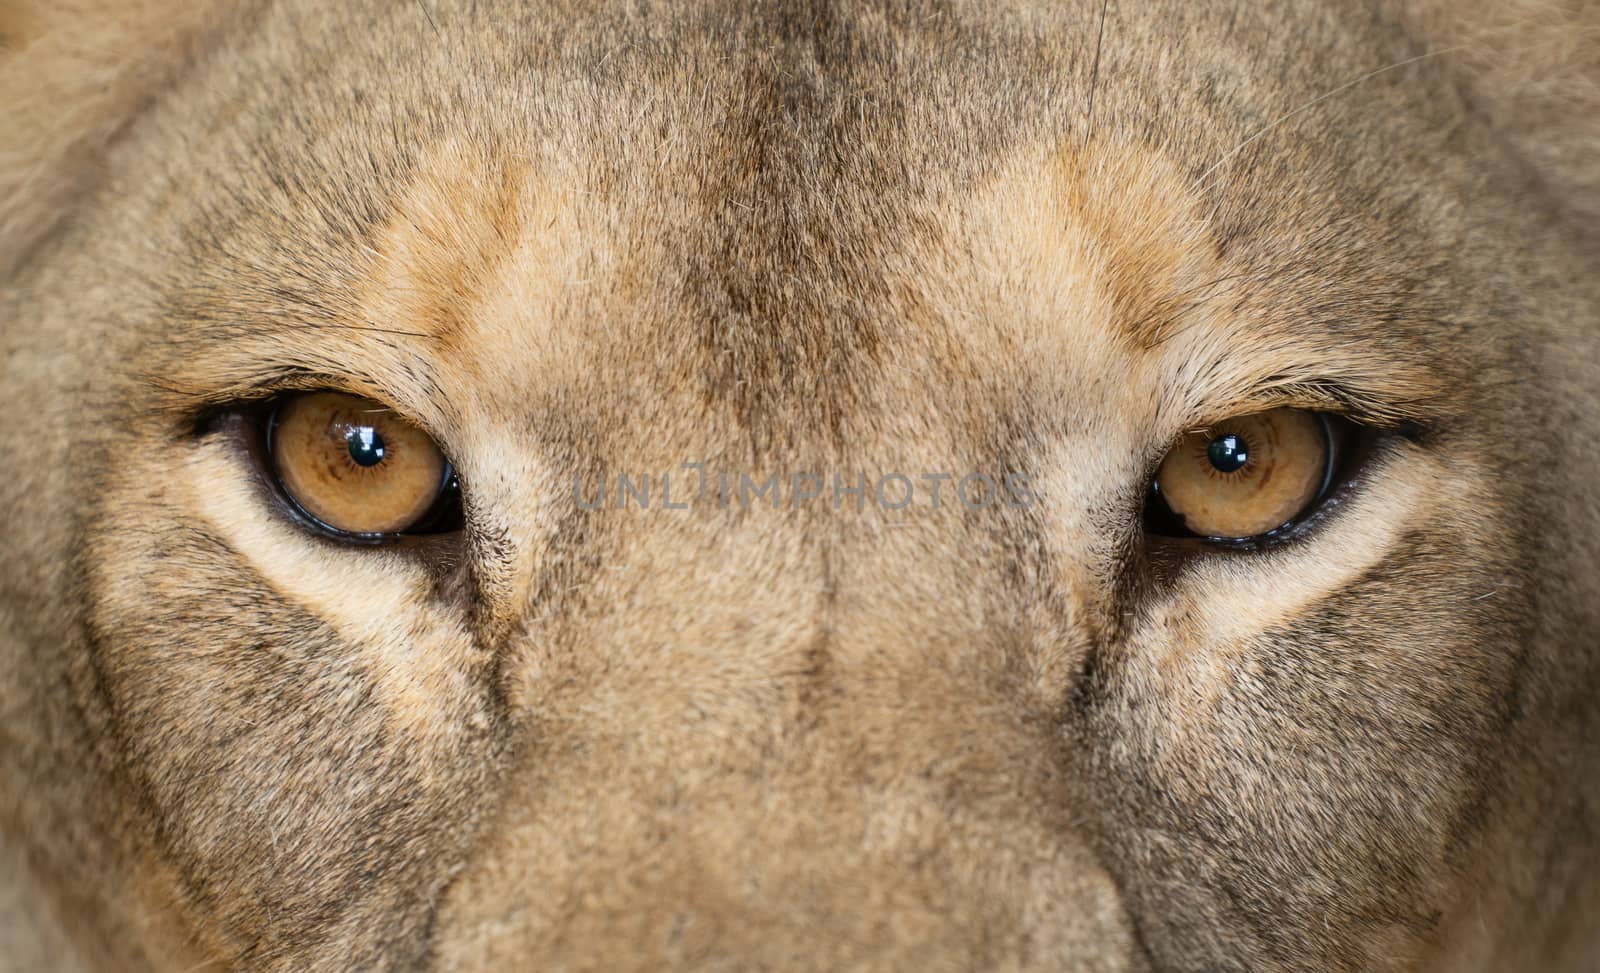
{"points": [[1350, 448], [256, 423]]}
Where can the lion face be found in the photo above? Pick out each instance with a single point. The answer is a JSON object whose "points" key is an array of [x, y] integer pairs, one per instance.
{"points": [[805, 486]]}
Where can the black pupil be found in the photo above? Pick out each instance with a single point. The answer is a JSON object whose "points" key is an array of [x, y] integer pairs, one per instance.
{"points": [[366, 446], [1228, 454]]}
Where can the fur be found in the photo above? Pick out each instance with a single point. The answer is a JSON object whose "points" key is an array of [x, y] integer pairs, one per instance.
{"points": [[575, 239]]}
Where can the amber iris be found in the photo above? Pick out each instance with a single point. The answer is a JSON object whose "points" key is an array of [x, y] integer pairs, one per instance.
{"points": [[1247, 476], [354, 465]]}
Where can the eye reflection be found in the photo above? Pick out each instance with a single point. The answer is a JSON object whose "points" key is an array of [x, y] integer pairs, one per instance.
{"points": [[1228, 453], [366, 446]]}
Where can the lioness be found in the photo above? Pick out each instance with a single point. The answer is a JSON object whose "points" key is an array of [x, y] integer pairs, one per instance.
{"points": [[800, 485]]}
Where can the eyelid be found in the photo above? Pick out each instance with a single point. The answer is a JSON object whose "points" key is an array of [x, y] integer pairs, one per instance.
{"points": [[261, 391], [1362, 407]]}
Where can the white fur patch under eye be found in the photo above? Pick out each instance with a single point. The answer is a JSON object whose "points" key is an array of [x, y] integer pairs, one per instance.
{"points": [[1230, 598], [375, 599]]}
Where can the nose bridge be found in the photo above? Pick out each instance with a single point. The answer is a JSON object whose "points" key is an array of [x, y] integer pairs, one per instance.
{"points": [[788, 739], [834, 859], [755, 584], [799, 734], [878, 817]]}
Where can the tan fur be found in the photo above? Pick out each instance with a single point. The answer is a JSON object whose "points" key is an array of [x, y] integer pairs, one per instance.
{"points": [[577, 239], [1533, 67], [74, 74]]}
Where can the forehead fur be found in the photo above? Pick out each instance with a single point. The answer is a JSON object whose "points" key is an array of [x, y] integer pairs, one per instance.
{"points": [[752, 189]]}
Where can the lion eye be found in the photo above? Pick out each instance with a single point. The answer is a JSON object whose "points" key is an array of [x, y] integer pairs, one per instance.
{"points": [[356, 468], [1247, 476]]}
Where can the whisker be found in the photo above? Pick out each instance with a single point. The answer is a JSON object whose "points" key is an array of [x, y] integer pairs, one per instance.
{"points": [[1094, 74], [423, 6], [1201, 184]]}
